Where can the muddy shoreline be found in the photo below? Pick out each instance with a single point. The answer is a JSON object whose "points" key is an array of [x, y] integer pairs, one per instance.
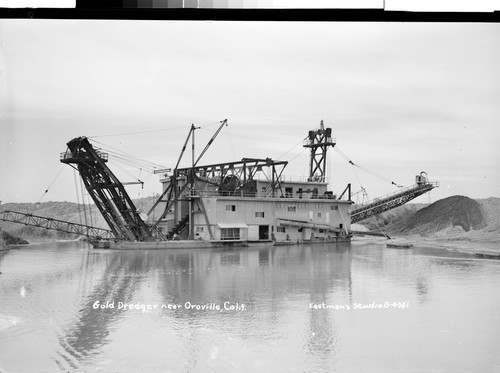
{"points": [[455, 244], [472, 243]]}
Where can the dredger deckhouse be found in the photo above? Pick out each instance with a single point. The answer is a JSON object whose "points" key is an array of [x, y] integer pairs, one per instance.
{"points": [[246, 202]]}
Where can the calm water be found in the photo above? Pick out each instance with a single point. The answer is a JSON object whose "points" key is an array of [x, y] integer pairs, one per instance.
{"points": [[275, 309]]}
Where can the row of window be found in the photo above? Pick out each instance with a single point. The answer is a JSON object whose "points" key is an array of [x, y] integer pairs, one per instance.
{"points": [[230, 233], [260, 214], [226, 232], [234, 233], [290, 208]]}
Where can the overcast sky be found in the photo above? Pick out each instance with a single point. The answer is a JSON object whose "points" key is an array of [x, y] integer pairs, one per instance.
{"points": [[401, 98]]}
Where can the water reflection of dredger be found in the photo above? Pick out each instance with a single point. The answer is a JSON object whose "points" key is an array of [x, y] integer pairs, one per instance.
{"points": [[122, 276], [322, 339], [220, 275], [264, 280]]}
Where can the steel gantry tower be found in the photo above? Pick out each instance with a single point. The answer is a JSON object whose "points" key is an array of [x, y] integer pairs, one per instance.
{"points": [[319, 141]]}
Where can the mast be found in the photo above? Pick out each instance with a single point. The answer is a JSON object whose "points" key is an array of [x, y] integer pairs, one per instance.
{"points": [[192, 185]]}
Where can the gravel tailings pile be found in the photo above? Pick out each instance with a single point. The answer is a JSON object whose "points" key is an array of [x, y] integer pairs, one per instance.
{"points": [[456, 223], [491, 208], [456, 213]]}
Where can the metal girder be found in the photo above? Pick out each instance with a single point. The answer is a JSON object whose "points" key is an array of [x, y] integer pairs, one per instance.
{"points": [[237, 165], [245, 170], [55, 224], [389, 202]]}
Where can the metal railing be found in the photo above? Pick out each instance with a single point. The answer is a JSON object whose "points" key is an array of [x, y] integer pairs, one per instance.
{"points": [[265, 194], [298, 179], [79, 154], [308, 142]]}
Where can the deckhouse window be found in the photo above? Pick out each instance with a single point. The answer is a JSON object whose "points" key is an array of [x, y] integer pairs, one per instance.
{"points": [[292, 208], [230, 233], [318, 214], [281, 229], [230, 207], [259, 214]]}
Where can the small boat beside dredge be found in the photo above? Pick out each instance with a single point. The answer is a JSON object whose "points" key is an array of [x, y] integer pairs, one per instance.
{"points": [[487, 255], [399, 245]]}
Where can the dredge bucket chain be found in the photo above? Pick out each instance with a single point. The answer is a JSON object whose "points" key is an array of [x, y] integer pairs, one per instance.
{"points": [[107, 192]]}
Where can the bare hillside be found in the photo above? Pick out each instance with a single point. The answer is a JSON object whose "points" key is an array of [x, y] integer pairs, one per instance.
{"points": [[66, 211]]}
